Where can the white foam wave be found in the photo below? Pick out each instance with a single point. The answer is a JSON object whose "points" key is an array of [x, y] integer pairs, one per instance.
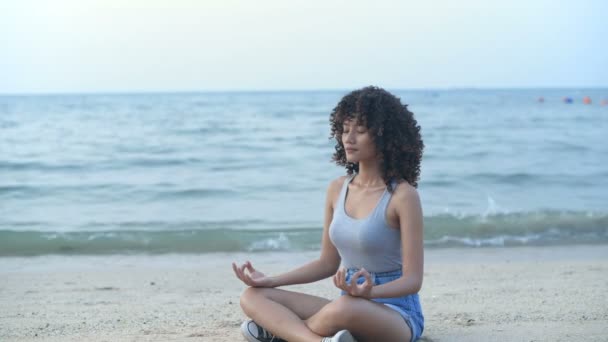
{"points": [[280, 243]]}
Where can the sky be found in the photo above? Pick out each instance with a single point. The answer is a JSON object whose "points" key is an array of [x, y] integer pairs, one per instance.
{"points": [[81, 46]]}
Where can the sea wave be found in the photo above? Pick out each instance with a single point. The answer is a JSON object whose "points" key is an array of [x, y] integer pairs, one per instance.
{"points": [[496, 230]]}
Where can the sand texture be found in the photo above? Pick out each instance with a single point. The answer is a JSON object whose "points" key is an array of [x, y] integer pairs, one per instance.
{"points": [[490, 294]]}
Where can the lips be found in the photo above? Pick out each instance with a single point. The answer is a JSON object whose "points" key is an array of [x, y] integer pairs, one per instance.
{"points": [[350, 149]]}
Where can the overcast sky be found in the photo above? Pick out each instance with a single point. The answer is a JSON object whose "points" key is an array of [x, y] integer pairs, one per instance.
{"points": [[173, 45]]}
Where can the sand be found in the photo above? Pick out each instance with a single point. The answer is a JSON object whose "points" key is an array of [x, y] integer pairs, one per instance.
{"points": [[489, 294]]}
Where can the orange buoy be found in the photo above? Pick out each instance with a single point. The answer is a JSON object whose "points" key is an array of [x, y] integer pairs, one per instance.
{"points": [[586, 100]]}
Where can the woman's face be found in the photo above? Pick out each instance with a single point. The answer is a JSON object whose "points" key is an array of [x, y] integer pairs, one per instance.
{"points": [[358, 142]]}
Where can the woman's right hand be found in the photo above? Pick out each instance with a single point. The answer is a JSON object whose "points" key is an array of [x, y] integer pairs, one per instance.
{"points": [[250, 276]]}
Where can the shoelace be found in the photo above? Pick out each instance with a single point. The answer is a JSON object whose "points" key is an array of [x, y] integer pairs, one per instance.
{"points": [[267, 335]]}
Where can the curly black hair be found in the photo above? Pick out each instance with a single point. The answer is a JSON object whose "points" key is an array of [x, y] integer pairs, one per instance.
{"points": [[394, 130]]}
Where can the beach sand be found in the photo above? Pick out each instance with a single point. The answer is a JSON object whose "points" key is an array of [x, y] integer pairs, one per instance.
{"points": [[487, 294]]}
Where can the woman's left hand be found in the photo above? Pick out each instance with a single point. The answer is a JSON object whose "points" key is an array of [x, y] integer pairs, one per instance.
{"points": [[363, 290]]}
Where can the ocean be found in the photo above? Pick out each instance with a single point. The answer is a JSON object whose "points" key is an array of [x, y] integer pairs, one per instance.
{"points": [[247, 171]]}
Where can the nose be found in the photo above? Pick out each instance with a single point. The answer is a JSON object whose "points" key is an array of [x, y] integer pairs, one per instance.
{"points": [[349, 137]]}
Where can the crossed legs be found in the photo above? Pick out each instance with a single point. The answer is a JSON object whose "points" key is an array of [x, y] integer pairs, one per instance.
{"points": [[299, 317]]}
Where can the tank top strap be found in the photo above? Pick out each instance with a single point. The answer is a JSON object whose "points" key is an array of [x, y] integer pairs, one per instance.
{"points": [[393, 183], [342, 196], [385, 199]]}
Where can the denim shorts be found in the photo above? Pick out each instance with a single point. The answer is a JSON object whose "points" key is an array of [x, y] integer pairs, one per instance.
{"points": [[407, 306]]}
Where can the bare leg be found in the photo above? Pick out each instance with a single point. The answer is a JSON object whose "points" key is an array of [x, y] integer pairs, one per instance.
{"points": [[283, 312], [365, 319]]}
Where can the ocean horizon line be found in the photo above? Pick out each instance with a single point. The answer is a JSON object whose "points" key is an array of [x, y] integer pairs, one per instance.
{"points": [[288, 90]]}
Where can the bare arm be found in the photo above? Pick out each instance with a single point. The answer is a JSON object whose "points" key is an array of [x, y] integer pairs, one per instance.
{"points": [[409, 211], [325, 266]]}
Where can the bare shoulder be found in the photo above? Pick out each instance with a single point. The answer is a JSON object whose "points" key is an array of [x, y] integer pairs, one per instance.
{"points": [[404, 204], [336, 185], [333, 190], [406, 193], [337, 182]]}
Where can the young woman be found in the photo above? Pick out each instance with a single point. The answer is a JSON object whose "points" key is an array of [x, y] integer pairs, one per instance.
{"points": [[372, 227]]}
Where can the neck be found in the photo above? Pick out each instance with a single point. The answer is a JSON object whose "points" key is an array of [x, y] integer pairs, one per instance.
{"points": [[370, 174]]}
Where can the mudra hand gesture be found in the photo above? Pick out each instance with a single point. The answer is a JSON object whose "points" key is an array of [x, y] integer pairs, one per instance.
{"points": [[250, 276], [363, 290]]}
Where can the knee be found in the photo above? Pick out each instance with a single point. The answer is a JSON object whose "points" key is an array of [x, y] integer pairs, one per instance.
{"points": [[341, 311], [249, 296], [334, 316]]}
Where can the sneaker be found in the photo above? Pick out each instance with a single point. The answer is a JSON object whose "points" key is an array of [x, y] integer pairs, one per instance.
{"points": [[256, 333], [340, 336]]}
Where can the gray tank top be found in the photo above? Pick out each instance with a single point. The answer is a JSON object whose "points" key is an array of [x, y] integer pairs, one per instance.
{"points": [[368, 243]]}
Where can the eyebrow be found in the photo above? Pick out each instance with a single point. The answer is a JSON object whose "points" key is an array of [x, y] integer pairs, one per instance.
{"points": [[358, 124], [350, 121]]}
